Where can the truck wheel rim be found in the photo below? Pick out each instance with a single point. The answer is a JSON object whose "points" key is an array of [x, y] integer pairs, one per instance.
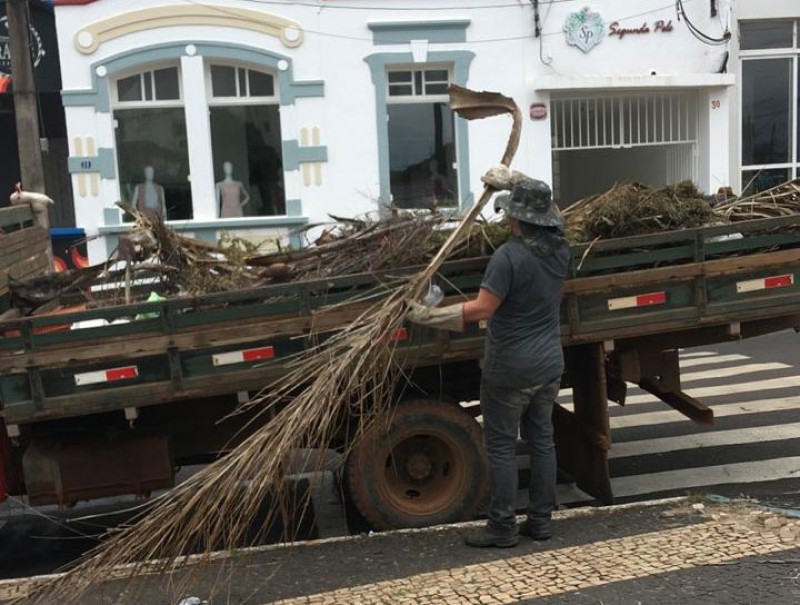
{"points": [[421, 475]]}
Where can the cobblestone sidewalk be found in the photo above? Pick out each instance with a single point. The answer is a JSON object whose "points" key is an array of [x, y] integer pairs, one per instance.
{"points": [[662, 554]]}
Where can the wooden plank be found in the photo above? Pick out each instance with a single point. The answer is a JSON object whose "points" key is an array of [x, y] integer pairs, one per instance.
{"points": [[141, 395], [32, 238], [782, 259], [13, 216], [30, 267]]}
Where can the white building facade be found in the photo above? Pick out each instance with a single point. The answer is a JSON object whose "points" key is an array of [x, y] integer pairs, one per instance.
{"points": [[304, 109], [765, 56]]}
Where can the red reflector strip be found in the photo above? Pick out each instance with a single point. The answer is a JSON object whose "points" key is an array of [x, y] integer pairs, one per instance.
{"points": [[223, 359], [110, 375], [642, 300], [765, 283], [399, 334]]}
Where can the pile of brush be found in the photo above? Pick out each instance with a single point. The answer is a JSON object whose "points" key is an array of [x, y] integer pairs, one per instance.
{"points": [[782, 200], [632, 209]]}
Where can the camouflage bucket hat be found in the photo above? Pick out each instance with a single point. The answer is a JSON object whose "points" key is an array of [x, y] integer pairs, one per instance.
{"points": [[530, 201]]}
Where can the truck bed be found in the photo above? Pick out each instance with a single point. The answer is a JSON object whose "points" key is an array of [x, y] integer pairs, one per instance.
{"points": [[685, 287]]}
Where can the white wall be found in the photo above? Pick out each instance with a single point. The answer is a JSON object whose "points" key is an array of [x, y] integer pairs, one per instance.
{"points": [[508, 58], [748, 10]]}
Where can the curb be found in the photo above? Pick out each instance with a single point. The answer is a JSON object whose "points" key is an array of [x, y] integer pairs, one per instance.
{"points": [[20, 587]]}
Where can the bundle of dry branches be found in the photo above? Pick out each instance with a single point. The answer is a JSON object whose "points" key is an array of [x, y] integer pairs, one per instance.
{"points": [[632, 209], [350, 377], [782, 200]]}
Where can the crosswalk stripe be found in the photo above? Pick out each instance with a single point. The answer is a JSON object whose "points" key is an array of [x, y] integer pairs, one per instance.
{"points": [[703, 375], [690, 354], [702, 393], [728, 389], [705, 361], [733, 371], [737, 408], [742, 436], [742, 472]]}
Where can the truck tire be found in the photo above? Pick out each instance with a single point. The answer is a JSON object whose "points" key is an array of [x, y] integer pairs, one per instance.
{"points": [[427, 467]]}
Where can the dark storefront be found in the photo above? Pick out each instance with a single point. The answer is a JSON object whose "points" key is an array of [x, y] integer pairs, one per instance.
{"points": [[44, 52]]}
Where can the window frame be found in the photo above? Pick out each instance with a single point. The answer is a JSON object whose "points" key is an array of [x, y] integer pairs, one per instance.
{"points": [[422, 97], [238, 100], [143, 103], [793, 54]]}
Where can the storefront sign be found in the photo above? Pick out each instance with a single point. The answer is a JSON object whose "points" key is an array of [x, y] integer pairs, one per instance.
{"points": [[658, 27], [44, 53], [584, 29]]}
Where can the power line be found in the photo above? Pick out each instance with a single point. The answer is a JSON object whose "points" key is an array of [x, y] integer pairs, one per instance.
{"points": [[695, 31], [223, 10]]}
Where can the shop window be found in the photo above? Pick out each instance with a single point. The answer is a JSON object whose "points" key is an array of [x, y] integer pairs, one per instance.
{"points": [[245, 142], [766, 111], [770, 104], [756, 35], [421, 139], [152, 150]]}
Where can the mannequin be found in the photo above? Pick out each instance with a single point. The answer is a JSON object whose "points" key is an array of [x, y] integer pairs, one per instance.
{"points": [[148, 197], [231, 195]]}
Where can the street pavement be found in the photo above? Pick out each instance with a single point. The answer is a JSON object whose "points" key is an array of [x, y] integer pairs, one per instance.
{"points": [[753, 450], [664, 553]]}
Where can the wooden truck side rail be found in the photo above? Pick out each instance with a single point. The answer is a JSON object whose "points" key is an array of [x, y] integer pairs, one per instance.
{"points": [[238, 341], [628, 306]]}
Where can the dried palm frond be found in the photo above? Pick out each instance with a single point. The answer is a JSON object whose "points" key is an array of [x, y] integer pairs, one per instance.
{"points": [[350, 377], [781, 200]]}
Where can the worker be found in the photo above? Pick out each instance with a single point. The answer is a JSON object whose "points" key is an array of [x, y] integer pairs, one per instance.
{"points": [[520, 296]]}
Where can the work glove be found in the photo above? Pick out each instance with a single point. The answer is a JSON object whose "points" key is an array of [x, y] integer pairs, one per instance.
{"points": [[443, 318], [501, 177]]}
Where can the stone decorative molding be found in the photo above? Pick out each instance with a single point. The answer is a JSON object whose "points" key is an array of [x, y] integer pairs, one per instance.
{"points": [[89, 38], [311, 171], [90, 164]]}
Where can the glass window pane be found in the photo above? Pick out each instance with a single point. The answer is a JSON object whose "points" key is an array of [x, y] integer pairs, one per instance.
{"points": [[399, 76], [154, 138], [400, 90], [148, 85], [435, 89], [248, 165], [223, 81], [766, 111], [422, 155], [765, 34], [261, 84], [130, 88], [417, 82], [436, 75], [242, 82], [754, 181], [167, 88]]}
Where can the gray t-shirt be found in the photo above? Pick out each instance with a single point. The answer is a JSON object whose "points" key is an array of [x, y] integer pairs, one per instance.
{"points": [[523, 340]]}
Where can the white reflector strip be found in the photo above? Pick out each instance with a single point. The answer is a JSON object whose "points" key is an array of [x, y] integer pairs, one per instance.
{"points": [[642, 300], [766, 283], [110, 375], [231, 357]]}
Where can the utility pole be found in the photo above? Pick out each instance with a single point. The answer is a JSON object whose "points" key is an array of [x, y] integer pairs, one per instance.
{"points": [[25, 101]]}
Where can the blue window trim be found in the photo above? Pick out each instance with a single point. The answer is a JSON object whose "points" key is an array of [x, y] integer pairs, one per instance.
{"points": [[378, 63], [403, 32]]}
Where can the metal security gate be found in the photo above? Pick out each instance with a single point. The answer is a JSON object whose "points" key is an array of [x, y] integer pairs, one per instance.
{"points": [[623, 121], [598, 141]]}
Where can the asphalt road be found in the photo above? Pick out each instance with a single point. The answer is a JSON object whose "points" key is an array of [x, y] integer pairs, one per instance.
{"points": [[753, 450]]}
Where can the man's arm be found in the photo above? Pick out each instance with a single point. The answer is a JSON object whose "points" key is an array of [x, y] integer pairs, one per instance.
{"points": [[481, 308]]}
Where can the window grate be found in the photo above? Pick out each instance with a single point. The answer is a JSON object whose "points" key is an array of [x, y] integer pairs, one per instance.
{"points": [[623, 121]]}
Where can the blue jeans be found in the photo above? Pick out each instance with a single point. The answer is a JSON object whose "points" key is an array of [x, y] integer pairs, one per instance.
{"points": [[507, 412]]}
